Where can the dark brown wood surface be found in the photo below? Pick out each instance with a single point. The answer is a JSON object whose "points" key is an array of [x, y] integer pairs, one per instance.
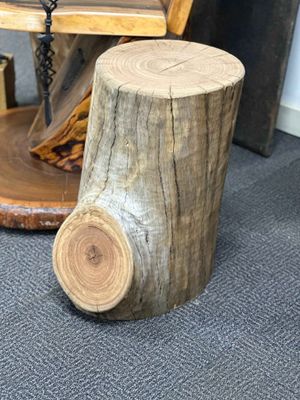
{"points": [[33, 195], [259, 33], [202, 23]]}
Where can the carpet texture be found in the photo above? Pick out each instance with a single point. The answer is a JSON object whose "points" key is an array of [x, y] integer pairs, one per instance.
{"points": [[238, 340]]}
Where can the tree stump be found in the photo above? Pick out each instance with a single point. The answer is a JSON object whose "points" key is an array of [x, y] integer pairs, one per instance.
{"points": [[142, 239]]}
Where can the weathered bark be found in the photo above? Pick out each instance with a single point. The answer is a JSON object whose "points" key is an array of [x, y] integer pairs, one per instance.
{"points": [[142, 238]]}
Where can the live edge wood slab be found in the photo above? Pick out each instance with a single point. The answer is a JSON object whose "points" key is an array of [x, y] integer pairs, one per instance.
{"points": [[33, 195], [102, 17], [141, 240]]}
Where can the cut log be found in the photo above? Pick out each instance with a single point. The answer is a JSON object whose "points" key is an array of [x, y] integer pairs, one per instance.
{"points": [[142, 239]]}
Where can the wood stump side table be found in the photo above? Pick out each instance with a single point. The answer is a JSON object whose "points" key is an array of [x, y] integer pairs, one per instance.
{"points": [[141, 240]]}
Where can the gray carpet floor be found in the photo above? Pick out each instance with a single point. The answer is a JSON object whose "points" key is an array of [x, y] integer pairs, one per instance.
{"points": [[238, 340]]}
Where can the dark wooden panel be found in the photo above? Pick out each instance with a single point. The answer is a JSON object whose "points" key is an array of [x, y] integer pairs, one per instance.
{"points": [[202, 24], [259, 33]]}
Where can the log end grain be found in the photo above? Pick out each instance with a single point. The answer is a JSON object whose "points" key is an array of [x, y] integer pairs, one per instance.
{"points": [[93, 260], [169, 68]]}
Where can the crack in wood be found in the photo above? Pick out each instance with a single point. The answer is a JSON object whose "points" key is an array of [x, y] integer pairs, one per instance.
{"points": [[173, 154]]}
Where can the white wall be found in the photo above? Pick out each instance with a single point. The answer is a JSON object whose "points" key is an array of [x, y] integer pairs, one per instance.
{"points": [[289, 113]]}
